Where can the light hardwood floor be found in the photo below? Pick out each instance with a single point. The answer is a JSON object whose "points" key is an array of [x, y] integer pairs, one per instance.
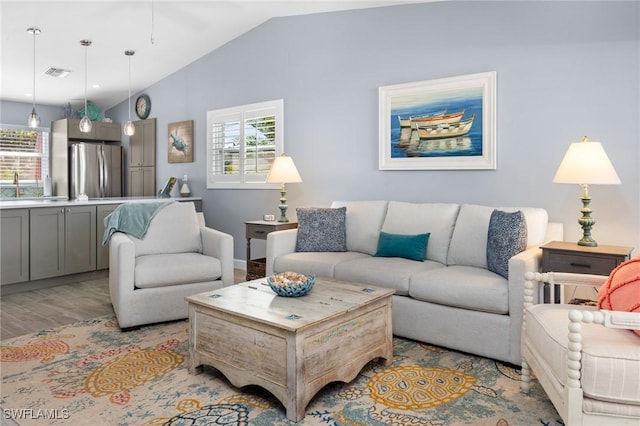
{"points": [[37, 310]]}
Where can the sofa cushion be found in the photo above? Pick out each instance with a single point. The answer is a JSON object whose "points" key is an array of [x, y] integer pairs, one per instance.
{"points": [[414, 218], [174, 229], [412, 247], [321, 264], [610, 372], [321, 229], [387, 272], [464, 287], [507, 237], [469, 240], [158, 270], [621, 291], [364, 221]]}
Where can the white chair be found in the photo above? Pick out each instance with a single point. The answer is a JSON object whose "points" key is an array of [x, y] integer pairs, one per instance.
{"points": [[587, 360], [149, 278]]}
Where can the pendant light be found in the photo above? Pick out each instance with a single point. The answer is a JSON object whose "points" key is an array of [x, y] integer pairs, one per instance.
{"points": [[129, 128], [34, 119], [85, 123]]}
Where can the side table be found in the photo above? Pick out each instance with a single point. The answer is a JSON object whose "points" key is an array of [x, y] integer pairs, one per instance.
{"points": [[256, 268], [563, 256]]}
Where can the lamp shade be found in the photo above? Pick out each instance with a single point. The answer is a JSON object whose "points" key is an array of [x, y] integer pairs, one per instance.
{"points": [[586, 163], [283, 171]]}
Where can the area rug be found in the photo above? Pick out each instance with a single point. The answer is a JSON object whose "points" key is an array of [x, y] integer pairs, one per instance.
{"points": [[92, 373]]}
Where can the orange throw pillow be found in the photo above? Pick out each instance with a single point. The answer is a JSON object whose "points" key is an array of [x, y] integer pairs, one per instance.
{"points": [[621, 291]]}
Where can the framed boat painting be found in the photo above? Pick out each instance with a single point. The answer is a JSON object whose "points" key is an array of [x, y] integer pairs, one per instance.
{"points": [[443, 124]]}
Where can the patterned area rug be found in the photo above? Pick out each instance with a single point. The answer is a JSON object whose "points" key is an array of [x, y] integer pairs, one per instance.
{"points": [[91, 373]]}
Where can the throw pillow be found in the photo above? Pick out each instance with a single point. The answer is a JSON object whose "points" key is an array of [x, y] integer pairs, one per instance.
{"points": [[621, 291], [507, 236], [412, 247], [321, 229]]}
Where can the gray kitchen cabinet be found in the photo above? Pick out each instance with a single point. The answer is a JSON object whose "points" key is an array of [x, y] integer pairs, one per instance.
{"points": [[142, 181], [142, 145], [100, 131], [102, 252], [62, 241], [14, 246]]}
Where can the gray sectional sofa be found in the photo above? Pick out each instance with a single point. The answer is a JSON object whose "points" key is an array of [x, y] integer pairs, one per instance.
{"points": [[450, 298]]}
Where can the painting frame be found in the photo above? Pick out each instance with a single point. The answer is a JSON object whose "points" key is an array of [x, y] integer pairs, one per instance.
{"points": [[413, 149], [180, 142]]}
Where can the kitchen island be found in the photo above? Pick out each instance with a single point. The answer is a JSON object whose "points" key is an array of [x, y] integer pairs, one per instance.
{"points": [[47, 242]]}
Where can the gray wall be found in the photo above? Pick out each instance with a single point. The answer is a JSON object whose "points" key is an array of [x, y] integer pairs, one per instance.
{"points": [[564, 70]]}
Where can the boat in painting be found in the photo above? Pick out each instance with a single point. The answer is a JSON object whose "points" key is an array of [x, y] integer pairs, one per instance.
{"points": [[454, 117], [444, 130], [406, 122]]}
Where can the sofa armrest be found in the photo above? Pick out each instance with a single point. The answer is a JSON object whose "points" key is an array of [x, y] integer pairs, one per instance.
{"points": [[122, 263], [279, 243], [219, 245]]}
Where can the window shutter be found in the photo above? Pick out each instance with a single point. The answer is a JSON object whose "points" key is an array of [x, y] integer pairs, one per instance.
{"points": [[25, 151]]}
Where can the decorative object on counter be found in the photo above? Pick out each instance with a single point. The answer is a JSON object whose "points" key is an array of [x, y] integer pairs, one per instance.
{"points": [[34, 119], [184, 189], [143, 106], [586, 163], [129, 128], [93, 112], [46, 188], [283, 171], [181, 142], [67, 111], [85, 122], [291, 284], [166, 191]]}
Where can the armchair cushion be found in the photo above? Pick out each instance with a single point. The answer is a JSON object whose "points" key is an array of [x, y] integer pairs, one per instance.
{"points": [[174, 229], [621, 291], [610, 357], [158, 270]]}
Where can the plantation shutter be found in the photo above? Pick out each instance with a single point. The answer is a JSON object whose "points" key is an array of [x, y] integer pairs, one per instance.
{"points": [[25, 151]]}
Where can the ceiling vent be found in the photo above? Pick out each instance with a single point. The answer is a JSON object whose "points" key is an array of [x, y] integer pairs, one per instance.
{"points": [[57, 72]]}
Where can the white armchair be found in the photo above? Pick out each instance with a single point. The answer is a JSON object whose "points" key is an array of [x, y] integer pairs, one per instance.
{"points": [[587, 360], [149, 278]]}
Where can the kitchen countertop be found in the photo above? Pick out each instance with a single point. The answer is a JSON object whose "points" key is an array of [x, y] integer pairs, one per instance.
{"points": [[25, 203]]}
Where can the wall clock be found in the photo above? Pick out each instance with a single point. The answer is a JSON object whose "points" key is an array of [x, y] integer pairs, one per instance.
{"points": [[143, 106]]}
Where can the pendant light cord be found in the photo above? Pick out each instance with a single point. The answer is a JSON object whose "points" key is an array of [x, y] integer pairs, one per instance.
{"points": [[34, 67], [85, 79]]}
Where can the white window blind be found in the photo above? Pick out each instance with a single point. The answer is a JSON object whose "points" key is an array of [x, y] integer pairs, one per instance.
{"points": [[242, 143], [25, 151]]}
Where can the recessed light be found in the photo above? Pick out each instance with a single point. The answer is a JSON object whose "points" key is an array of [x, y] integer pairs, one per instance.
{"points": [[96, 86]]}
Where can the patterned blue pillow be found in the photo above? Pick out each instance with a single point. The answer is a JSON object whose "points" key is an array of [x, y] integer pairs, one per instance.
{"points": [[507, 237], [321, 229]]}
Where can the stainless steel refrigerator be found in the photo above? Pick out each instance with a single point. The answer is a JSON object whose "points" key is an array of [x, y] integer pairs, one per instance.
{"points": [[95, 169]]}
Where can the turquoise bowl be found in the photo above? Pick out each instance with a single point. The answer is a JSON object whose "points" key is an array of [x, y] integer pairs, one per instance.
{"points": [[293, 290]]}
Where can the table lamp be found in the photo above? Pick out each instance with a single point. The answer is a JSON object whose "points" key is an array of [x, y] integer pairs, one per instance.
{"points": [[283, 171], [586, 163]]}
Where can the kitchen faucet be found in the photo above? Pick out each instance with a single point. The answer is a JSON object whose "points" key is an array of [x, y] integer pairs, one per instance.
{"points": [[16, 181]]}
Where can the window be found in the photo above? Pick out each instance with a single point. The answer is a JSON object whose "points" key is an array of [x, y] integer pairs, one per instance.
{"points": [[242, 143], [25, 151]]}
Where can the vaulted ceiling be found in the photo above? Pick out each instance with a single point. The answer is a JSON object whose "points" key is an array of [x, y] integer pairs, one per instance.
{"points": [[165, 35]]}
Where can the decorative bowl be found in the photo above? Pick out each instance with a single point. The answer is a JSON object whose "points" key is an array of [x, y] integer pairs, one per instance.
{"points": [[291, 284]]}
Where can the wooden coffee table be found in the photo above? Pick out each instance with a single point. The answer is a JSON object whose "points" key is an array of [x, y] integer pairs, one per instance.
{"points": [[290, 346]]}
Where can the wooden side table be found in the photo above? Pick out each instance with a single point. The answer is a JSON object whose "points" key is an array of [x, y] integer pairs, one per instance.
{"points": [[563, 256], [256, 268]]}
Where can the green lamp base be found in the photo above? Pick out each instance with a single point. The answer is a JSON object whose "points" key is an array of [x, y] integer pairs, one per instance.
{"points": [[586, 222]]}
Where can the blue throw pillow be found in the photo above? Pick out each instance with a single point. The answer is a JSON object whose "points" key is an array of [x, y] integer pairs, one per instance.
{"points": [[321, 229], [412, 247], [507, 237]]}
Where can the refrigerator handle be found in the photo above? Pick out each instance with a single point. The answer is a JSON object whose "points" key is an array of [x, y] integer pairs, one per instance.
{"points": [[106, 192], [101, 167]]}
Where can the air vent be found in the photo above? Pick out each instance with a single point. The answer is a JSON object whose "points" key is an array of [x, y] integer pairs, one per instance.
{"points": [[57, 72]]}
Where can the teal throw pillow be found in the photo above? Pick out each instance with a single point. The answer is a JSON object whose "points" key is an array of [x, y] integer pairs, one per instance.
{"points": [[507, 237], [412, 247]]}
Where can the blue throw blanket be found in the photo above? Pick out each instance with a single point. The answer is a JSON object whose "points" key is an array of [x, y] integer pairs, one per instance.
{"points": [[132, 219]]}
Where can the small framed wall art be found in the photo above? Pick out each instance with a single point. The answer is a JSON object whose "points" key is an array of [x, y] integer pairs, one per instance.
{"points": [[180, 148], [442, 124]]}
